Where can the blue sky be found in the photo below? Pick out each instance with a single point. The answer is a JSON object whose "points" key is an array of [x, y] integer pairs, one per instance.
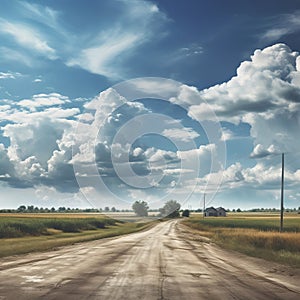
{"points": [[229, 103]]}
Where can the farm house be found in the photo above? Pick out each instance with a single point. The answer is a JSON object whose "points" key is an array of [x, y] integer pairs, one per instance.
{"points": [[215, 212]]}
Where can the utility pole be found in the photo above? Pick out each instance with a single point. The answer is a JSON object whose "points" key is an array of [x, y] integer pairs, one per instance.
{"points": [[282, 192], [203, 205]]}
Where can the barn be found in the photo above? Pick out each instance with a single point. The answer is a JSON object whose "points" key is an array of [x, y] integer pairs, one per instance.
{"points": [[215, 212], [221, 212], [210, 212]]}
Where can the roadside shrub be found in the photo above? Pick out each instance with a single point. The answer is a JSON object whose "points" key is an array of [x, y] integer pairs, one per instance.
{"points": [[19, 228], [186, 213], [9, 232]]}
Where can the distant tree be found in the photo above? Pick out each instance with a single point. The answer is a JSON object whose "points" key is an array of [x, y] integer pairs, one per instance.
{"points": [[30, 208], [140, 208], [113, 209], [53, 209], [186, 213], [21, 208], [238, 210], [170, 209], [62, 209], [106, 208]]}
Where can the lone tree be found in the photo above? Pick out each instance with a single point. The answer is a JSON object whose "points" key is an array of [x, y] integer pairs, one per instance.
{"points": [[170, 209], [140, 208]]}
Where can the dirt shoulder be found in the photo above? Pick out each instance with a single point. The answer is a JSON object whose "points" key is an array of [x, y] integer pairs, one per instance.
{"points": [[280, 273]]}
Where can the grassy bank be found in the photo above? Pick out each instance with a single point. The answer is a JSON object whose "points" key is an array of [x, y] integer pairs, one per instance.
{"points": [[21, 235], [12, 227], [254, 235]]}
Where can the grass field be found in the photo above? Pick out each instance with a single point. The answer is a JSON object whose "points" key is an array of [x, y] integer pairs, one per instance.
{"points": [[39, 232], [255, 235]]}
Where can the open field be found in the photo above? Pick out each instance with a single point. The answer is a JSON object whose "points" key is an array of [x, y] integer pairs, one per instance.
{"points": [[255, 235], [38, 232]]}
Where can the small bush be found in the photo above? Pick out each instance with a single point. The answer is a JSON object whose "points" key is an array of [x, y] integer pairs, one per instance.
{"points": [[186, 213]]}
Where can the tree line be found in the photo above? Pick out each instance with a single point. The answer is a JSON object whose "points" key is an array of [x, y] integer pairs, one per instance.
{"points": [[62, 209], [140, 208], [171, 209]]}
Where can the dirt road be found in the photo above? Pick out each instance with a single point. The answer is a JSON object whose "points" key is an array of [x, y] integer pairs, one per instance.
{"points": [[165, 262]]}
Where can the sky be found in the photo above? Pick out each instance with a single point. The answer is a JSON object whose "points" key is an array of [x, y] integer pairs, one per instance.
{"points": [[103, 103]]}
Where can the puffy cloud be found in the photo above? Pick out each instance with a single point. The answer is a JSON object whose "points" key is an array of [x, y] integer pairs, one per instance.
{"points": [[231, 177], [202, 161], [226, 134], [17, 116], [262, 84], [41, 100], [265, 93], [38, 138], [182, 134], [12, 113], [259, 151], [36, 155], [39, 146], [6, 166]]}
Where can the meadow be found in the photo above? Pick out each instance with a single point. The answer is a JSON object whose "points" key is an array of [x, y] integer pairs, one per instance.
{"points": [[254, 234], [24, 233]]}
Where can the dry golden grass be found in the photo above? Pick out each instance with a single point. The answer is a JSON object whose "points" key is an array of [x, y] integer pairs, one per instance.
{"points": [[262, 240], [272, 240]]}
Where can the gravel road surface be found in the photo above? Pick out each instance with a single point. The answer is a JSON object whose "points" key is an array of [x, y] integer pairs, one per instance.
{"points": [[168, 261]]}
